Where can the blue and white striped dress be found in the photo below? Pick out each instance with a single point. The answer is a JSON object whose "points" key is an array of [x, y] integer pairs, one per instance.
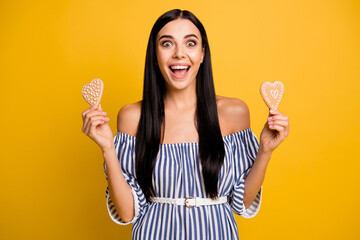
{"points": [[177, 174]]}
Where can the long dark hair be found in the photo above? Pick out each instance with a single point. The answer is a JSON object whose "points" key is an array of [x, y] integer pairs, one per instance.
{"points": [[211, 145]]}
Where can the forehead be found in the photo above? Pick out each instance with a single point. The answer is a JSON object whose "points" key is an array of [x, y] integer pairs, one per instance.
{"points": [[179, 28]]}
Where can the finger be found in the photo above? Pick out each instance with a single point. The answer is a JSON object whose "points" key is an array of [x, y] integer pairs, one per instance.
{"points": [[95, 118], [94, 124], [280, 123], [275, 112], [277, 127], [100, 107], [83, 114], [92, 116], [95, 113], [92, 127], [283, 132], [87, 119], [95, 121], [278, 117], [87, 110]]}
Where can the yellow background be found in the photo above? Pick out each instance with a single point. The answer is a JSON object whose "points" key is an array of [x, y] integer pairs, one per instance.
{"points": [[51, 174]]}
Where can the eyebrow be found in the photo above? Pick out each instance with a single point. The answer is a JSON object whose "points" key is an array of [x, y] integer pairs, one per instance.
{"points": [[169, 36]]}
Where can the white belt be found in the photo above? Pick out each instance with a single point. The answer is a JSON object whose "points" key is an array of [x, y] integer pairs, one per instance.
{"points": [[190, 202]]}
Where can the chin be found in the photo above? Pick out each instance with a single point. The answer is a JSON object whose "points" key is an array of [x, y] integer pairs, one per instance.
{"points": [[179, 85]]}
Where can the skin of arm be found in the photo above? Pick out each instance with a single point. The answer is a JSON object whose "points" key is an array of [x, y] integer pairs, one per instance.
{"points": [[275, 130], [255, 177], [234, 116], [119, 189]]}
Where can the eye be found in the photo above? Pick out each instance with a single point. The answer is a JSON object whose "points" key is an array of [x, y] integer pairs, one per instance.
{"points": [[166, 44], [191, 43]]}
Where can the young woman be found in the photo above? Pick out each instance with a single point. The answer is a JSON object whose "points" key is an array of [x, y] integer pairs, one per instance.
{"points": [[183, 158]]}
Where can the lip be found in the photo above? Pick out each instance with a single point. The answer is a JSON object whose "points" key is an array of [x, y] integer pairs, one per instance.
{"points": [[180, 64]]}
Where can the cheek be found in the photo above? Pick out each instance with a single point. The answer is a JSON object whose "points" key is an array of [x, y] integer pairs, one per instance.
{"points": [[196, 56], [162, 57]]}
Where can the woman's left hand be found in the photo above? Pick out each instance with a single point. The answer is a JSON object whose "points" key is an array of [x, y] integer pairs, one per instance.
{"points": [[275, 130]]}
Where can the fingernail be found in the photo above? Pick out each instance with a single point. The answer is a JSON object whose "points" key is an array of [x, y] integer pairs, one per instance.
{"points": [[269, 118], [272, 111], [104, 113], [107, 119]]}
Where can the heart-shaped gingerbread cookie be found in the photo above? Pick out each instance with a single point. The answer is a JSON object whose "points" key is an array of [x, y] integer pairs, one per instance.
{"points": [[92, 92], [272, 93]]}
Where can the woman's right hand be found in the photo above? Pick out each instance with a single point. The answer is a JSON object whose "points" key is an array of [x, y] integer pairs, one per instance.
{"points": [[96, 127]]}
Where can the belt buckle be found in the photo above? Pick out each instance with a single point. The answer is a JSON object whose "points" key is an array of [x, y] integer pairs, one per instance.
{"points": [[186, 202]]}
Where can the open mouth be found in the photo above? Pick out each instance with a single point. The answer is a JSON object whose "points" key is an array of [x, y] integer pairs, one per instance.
{"points": [[179, 69]]}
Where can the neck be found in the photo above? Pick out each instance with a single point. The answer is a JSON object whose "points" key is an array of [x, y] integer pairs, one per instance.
{"points": [[180, 99]]}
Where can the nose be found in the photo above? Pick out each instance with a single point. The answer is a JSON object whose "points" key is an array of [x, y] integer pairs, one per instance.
{"points": [[179, 52]]}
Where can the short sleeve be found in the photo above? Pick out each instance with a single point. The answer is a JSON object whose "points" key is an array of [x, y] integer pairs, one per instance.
{"points": [[245, 148], [125, 150]]}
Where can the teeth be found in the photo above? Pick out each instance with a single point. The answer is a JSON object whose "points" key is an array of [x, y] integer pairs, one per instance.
{"points": [[179, 67]]}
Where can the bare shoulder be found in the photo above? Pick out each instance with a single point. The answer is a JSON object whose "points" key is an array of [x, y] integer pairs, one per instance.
{"points": [[233, 113], [128, 118]]}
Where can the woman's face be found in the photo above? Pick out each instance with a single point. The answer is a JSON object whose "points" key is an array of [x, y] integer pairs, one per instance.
{"points": [[179, 53]]}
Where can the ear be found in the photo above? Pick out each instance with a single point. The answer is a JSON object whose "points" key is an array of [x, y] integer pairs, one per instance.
{"points": [[203, 52]]}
